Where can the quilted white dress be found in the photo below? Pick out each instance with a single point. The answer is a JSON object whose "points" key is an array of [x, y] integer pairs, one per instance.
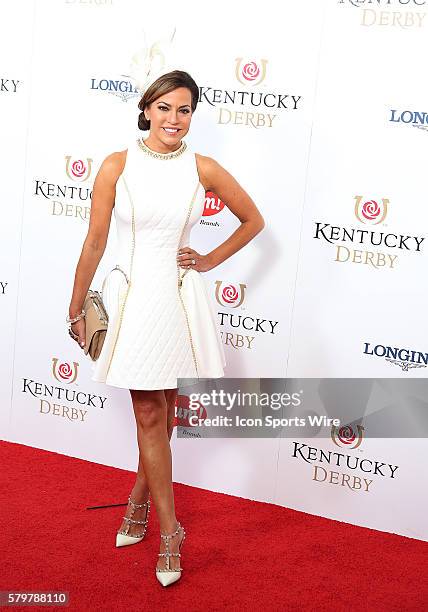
{"points": [[159, 329]]}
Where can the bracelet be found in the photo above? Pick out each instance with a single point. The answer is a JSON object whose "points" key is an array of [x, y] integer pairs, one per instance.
{"points": [[79, 316]]}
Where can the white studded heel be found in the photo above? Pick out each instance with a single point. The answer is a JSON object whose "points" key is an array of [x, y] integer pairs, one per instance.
{"points": [[166, 575], [123, 537]]}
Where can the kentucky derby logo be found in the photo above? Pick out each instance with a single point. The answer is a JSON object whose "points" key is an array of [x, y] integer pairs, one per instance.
{"points": [[77, 169], [346, 437], [375, 248], [229, 295], [248, 105], [370, 211], [213, 204], [352, 475], [250, 73], [63, 371]]}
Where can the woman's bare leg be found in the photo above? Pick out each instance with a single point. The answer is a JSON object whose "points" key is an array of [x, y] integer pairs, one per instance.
{"points": [[171, 400], [151, 411], [140, 491]]}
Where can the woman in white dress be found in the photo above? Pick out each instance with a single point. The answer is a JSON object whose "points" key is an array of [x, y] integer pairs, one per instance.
{"points": [[161, 323]]}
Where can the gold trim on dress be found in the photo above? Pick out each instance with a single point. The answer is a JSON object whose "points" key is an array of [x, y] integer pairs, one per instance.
{"points": [[180, 282], [158, 155]]}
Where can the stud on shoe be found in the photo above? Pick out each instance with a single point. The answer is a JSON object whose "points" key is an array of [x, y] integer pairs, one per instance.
{"points": [[123, 537], [167, 575]]}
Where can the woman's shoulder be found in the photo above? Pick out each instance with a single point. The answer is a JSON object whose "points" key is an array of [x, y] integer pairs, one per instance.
{"points": [[113, 165], [204, 160], [116, 159], [209, 170]]}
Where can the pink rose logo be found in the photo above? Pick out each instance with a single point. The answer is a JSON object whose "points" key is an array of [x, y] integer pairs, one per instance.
{"points": [[370, 210], [229, 294], [78, 168], [250, 71], [346, 434], [63, 371]]}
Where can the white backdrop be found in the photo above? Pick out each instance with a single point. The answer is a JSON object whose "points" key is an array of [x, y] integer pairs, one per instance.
{"points": [[352, 126]]}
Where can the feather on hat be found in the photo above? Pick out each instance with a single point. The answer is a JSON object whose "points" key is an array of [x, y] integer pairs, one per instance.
{"points": [[151, 61]]}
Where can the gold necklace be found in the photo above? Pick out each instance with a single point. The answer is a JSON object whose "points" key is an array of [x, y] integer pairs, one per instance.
{"points": [[157, 155]]}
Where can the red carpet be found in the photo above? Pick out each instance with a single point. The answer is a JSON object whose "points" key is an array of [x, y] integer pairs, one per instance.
{"points": [[238, 554]]}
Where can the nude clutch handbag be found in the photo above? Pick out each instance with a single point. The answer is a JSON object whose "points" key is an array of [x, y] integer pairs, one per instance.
{"points": [[96, 318]]}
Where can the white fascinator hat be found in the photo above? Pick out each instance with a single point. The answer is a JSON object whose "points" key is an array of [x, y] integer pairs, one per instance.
{"points": [[153, 59]]}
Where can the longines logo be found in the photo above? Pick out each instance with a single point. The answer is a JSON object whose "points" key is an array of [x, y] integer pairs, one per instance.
{"points": [[78, 170], [262, 106], [402, 357], [121, 87], [3, 285], [232, 295], [389, 13], [8, 85], [51, 397], [416, 119], [347, 471], [368, 212]]}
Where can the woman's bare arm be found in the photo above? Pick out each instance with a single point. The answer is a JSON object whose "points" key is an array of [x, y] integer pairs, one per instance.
{"points": [[218, 180], [103, 196]]}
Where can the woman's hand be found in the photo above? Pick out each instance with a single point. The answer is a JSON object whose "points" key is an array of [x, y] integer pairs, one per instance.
{"points": [[78, 332], [190, 259]]}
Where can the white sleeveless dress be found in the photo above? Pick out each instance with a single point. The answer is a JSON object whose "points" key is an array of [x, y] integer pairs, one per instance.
{"points": [[159, 329]]}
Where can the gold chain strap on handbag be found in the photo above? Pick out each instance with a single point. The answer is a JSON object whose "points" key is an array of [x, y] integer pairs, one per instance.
{"points": [[96, 313]]}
